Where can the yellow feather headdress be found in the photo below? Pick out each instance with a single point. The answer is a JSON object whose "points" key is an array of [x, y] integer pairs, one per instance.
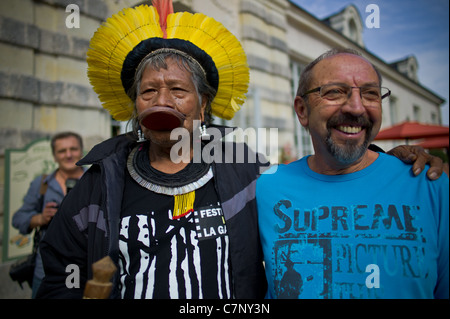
{"points": [[125, 38]]}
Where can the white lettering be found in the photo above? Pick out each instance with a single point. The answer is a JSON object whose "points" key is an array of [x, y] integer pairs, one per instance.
{"points": [[73, 19], [73, 279], [373, 19], [373, 280]]}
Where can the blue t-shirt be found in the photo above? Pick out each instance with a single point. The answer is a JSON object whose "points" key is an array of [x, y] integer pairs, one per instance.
{"points": [[376, 233]]}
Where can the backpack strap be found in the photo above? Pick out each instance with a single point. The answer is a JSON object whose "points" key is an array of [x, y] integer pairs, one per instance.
{"points": [[44, 185], [37, 231]]}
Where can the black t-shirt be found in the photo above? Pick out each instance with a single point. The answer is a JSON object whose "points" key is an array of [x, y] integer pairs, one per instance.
{"points": [[163, 257]]}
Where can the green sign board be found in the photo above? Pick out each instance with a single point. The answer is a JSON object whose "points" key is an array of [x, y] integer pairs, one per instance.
{"points": [[21, 167]]}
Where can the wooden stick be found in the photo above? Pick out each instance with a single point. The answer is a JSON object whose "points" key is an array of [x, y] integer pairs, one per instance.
{"points": [[100, 286]]}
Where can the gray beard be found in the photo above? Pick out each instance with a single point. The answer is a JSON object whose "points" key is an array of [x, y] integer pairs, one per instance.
{"points": [[348, 153]]}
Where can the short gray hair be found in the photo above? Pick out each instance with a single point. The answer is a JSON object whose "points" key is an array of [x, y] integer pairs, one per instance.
{"points": [[306, 76]]}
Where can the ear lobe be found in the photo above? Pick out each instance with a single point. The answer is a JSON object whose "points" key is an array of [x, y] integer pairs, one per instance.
{"points": [[302, 111]]}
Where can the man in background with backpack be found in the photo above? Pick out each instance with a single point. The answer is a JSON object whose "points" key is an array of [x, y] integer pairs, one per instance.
{"points": [[46, 192]]}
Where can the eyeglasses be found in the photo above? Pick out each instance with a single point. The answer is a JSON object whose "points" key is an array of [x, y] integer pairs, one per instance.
{"points": [[340, 93]]}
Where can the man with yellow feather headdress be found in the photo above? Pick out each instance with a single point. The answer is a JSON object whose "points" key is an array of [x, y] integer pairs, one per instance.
{"points": [[175, 229]]}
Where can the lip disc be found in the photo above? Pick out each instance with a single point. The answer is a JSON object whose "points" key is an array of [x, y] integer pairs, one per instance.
{"points": [[161, 118]]}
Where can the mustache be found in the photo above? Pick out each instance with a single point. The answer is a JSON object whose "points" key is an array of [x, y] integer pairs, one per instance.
{"points": [[349, 120]]}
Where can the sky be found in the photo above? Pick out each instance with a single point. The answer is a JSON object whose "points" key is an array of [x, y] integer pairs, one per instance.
{"points": [[407, 27]]}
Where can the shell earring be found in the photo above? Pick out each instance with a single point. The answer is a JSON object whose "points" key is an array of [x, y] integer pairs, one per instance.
{"points": [[141, 137], [203, 133]]}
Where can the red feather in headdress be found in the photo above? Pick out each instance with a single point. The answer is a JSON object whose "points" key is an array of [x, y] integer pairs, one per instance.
{"points": [[164, 8]]}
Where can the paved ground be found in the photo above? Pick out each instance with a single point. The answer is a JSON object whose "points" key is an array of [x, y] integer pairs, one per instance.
{"points": [[10, 289]]}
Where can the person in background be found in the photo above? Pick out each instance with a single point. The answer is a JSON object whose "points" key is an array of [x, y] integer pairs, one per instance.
{"points": [[38, 210], [349, 222]]}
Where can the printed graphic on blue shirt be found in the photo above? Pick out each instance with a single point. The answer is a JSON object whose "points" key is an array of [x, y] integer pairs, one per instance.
{"points": [[324, 252], [375, 233]]}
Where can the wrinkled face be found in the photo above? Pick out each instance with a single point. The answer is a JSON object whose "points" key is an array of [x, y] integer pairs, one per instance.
{"points": [[344, 131], [67, 153], [172, 87]]}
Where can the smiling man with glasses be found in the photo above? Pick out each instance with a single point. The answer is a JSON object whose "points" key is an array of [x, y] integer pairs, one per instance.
{"points": [[349, 222], [349, 122]]}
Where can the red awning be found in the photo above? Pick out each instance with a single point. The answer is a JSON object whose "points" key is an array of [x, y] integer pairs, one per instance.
{"points": [[435, 142], [412, 131]]}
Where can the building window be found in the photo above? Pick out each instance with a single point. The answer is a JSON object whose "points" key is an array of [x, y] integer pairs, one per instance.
{"points": [[417, 116], [353, 30], [393, 111], [115, 127], [302, 139], [434, 118]]}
